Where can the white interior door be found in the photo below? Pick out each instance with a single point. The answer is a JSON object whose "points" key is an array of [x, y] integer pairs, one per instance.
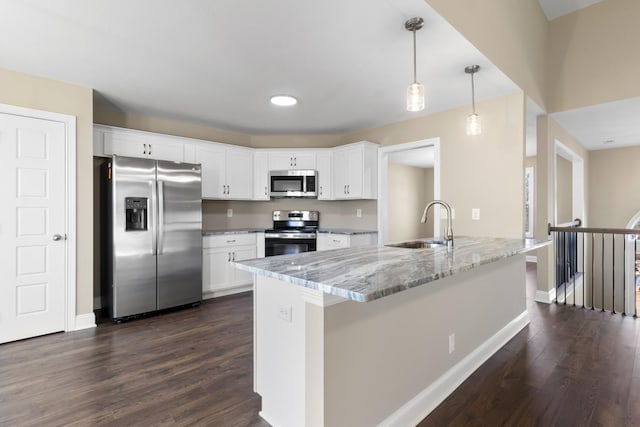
{"points": [[32, 227]]}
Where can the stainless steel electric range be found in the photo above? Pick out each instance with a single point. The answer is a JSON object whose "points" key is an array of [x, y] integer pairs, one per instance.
{"points": [[293, 232]]}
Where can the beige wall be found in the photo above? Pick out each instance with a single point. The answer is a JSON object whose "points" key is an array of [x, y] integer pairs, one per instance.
{"points": [[614, 192], [482, 172], [593, 55], [564, 187], [410, 189], [112, 117], [49, 95], [333, 214], [511, 34]]}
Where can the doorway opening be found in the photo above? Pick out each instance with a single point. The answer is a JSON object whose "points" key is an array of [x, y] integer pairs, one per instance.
{"points": [[409, 178]]}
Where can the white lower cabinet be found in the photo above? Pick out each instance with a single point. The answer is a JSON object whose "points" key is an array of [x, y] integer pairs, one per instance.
{"points": [[219, 276], [328, 241]]}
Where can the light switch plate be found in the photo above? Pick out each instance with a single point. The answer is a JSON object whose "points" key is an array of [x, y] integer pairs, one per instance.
{"points": [[359, 213], [475, 214], [229, 213]]}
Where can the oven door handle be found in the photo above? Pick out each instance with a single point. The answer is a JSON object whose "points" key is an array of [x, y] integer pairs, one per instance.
{"points": [[290, 235]]}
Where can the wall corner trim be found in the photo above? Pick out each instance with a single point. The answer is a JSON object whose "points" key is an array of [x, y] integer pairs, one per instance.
{"points": [[84, 321], [428, 399], [546, 297]]}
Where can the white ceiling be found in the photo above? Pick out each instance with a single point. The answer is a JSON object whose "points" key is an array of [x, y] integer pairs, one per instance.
{"points": [[614, 121], [556, 8], [216, 63]]}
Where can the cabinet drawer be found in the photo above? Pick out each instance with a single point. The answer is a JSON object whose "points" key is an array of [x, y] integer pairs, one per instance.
{"points": [[227, 240], [338, 240]]}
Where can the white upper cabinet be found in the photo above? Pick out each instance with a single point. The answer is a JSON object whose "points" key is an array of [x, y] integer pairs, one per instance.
{"points": [[213, 162], [285, 160], [325, 174], [260, 175], [125, 142], [355, 171], [227, 173]]}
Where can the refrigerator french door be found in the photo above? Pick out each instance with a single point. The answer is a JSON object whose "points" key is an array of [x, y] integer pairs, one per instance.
{"points": [[152, 235]]}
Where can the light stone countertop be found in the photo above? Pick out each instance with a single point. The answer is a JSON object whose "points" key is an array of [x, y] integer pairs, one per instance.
{"points": [[367, 273], [235, 231], [349, 231]]}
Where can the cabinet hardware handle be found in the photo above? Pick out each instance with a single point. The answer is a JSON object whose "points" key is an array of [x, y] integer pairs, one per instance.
{"points": [[336, 241], [348, 189], [233, 256], [321, 190], [295, 161], [229, 258], [231, 241], [149, 149], [145, 149], [265, 190], [345, 189]]}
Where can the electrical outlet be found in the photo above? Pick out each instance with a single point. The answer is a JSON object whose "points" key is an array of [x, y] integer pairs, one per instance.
{"points": [[452, 343], [229, 213], [475, 214], [284, 312], [359, 213]]}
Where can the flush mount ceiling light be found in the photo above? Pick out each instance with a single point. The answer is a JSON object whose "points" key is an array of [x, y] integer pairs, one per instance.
{"points": [[474, 127], [283, 100], [415, 91]]}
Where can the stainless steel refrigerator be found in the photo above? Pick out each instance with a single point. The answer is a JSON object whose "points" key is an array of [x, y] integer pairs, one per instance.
{"points": [[151, 235]]}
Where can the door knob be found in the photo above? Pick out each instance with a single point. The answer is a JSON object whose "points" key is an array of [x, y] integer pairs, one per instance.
{"points": [[57, 237]]}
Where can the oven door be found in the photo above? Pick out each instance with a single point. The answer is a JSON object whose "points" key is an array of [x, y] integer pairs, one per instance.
{"points": [[288, 243]]}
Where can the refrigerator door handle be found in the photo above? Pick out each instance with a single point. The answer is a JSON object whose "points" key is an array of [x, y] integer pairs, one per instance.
{"points": [[152, 210], [160, 217]]}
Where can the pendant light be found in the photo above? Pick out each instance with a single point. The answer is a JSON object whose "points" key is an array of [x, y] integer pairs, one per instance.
{"points": [[415, 91], [474, 126]]}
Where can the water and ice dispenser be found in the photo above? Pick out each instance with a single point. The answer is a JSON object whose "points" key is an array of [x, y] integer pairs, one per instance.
{"points": [[136, 214]]}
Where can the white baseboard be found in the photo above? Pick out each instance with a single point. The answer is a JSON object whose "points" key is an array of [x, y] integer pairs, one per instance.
{"points": [[85, 321], [415, 410], [532, 258], [229, 291], [546, 297]]}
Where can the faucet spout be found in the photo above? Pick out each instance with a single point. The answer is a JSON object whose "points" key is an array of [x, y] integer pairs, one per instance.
{"points": [[449, 231]]}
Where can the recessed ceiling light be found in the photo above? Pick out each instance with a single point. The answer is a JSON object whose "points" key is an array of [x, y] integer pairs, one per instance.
{"points": [[283, 100]]}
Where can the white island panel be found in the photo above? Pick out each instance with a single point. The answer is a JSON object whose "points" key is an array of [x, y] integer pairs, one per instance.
{"points": [[384, 362]]}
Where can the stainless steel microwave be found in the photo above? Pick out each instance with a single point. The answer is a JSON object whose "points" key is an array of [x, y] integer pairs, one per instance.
{"points": [[294, 183]]}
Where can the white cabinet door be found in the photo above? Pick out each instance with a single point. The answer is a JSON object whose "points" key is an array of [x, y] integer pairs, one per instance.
{"points": [[142, 145], [324, 174], [328, 241], [217, 272], [304, 160], [341, 174], [260, 176], [239, 177], [238, 254], [160, 148], [130, 145], [213, 163], [285, 160], [355, 171]]}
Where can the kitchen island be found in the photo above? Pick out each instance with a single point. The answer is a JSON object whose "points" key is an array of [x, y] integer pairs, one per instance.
{"points": [[380, 335]]}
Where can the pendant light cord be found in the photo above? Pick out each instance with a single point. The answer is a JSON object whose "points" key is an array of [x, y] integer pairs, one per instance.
{"points": [[414, 55], [473, 95]]}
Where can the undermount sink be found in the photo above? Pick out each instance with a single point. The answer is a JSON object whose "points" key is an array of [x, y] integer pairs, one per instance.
{"points": [[420, 244]]}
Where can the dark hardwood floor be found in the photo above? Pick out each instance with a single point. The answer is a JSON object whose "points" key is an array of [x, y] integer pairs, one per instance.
{"points": [[188, 367], [569, 367]]}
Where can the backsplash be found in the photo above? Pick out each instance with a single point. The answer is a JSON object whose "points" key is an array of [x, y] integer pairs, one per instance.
{"points": [[333, 214]]}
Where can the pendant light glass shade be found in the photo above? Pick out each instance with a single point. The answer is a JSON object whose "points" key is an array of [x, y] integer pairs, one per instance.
{"points": [[415, 91], [474, 126], [415, 97]]}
